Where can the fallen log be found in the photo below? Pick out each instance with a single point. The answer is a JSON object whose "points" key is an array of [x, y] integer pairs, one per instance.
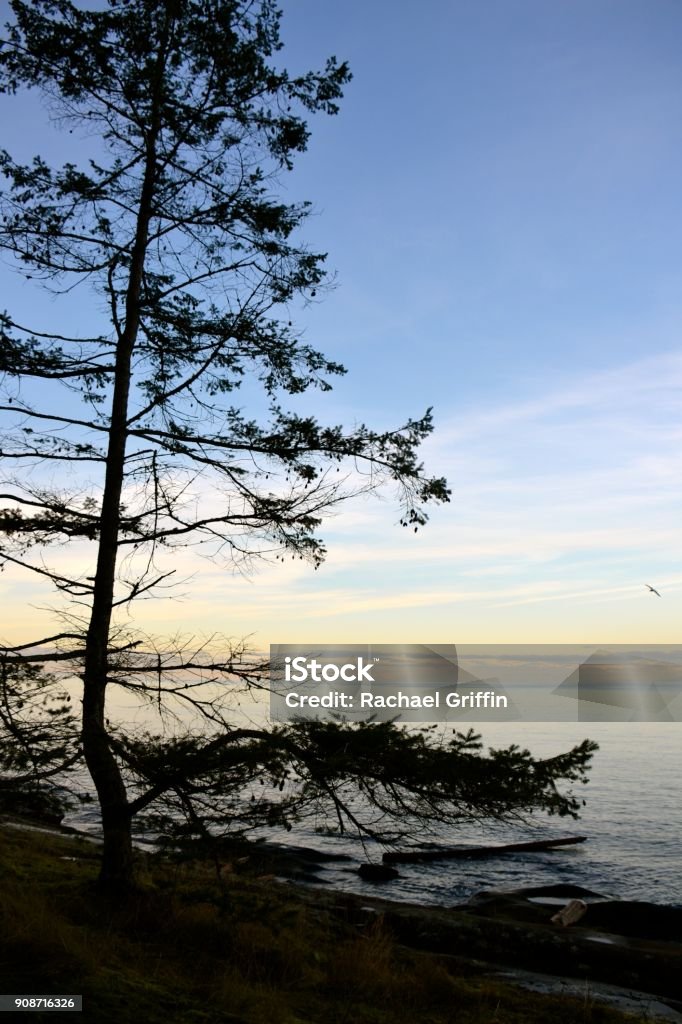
{"points": [[452, 852]]}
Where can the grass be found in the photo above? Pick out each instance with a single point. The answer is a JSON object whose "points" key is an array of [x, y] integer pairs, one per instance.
{"points": [[191, 948]]}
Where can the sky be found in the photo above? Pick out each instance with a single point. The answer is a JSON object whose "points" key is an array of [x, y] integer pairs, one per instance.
{"points": [[500, 199]]}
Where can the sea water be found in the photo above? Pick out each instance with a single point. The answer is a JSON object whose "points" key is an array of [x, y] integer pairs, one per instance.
{"points": [[632, 819]]}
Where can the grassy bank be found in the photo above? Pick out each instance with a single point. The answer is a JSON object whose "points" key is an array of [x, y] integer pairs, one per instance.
{"points": [[192, 947]]}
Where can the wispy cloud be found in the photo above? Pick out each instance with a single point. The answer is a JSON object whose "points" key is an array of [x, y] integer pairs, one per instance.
{"points": [[566, 500]]}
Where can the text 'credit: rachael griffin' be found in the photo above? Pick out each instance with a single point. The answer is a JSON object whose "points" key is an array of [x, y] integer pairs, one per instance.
{"points": [[341, 701]]}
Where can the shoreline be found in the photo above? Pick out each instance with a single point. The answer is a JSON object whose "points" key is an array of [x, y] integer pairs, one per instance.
{"points": [[505, 935]]}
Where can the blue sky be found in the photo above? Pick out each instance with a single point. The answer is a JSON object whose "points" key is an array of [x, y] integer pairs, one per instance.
{"points": [[500, 198]]}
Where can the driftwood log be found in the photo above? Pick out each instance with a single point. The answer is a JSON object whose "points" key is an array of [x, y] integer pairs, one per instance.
{"points": [[453, 852]]}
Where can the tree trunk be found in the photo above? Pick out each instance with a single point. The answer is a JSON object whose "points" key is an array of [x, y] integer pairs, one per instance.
{"points": [[117, 861]]}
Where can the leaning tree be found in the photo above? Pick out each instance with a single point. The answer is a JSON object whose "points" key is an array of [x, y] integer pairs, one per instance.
{"points": [[172, 218]]}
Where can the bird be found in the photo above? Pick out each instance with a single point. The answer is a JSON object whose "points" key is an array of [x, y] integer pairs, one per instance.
{"points": [[652, 589]]}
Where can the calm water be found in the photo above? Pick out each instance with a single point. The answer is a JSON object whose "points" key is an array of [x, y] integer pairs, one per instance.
{"points": [[633, 821]]}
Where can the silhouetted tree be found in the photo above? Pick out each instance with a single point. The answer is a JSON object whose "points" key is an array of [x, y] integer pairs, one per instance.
{"points": [[176, 224]]}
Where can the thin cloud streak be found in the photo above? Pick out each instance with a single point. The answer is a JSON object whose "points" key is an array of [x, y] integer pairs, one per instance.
{"points": [[572, 497], [657, 376]]}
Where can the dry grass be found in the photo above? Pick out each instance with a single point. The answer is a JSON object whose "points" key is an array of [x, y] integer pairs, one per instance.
{"points": [[188, 949]]}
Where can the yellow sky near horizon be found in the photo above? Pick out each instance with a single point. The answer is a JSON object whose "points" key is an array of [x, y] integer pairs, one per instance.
{"points": [[291, 603], [563, 507]]}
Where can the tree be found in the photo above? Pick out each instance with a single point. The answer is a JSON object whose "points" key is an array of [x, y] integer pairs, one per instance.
{"points": [[175, 223], [38, 739]]}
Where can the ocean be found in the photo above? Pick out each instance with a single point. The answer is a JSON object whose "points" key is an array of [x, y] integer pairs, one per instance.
{"points": [[632, 820]]}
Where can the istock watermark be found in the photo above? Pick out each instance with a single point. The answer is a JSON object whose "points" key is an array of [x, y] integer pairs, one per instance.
{"points": [[303, 670], [477, 682]]}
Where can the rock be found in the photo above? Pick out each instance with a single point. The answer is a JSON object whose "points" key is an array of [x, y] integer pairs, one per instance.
{"points": [[638, 920], [377, 873], [537, 892], [629, 918]]}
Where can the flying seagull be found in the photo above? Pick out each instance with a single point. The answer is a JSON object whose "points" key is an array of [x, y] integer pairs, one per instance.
{"points": [[652, 589]]}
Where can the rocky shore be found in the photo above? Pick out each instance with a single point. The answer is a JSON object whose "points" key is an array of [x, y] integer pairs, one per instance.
{"points": [[622, 953], [625, 953]]}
